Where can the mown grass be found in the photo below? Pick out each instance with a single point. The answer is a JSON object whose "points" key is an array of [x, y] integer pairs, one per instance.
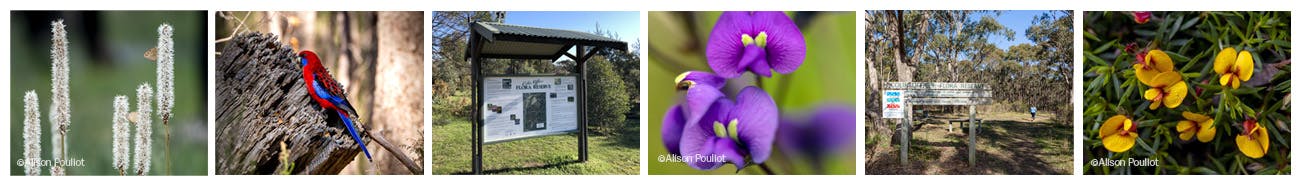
{"points": [[552, 155]]}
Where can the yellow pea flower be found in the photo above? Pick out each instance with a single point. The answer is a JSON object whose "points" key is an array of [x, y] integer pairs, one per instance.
{"points": [[1253, 143], [1234, 68], [1197, 125], [1167, 88], [1151, 64], [1118, 134]]}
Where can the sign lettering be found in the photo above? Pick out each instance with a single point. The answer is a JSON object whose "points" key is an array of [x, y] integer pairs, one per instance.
{"points": [[520, 107]]}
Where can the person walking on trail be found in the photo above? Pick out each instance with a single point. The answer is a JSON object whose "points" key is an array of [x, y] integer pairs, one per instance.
{"points": [[1033, 113]]}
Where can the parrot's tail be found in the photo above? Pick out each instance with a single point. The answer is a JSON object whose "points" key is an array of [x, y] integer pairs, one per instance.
{"points": [[347, 121]]}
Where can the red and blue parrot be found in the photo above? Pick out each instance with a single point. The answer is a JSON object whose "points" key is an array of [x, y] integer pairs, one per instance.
{"points": [[328, 93]]}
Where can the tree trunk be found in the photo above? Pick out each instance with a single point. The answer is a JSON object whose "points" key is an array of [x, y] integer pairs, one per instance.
{"points": [[901, 65], [396, 113], [263, 107]]}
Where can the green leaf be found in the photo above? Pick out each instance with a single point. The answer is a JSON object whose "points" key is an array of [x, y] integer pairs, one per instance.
{"points": [[1105, 47], [1096, 59], [1145, 33], [1286, 44], [1190, 23], [1244, 90], [1145, 146], [1091, 36], [1177, 57], [1179, 42]]}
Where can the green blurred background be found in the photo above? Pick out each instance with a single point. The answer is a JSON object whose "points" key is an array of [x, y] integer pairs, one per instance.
{"points": [[106, 51], [826, 77]]}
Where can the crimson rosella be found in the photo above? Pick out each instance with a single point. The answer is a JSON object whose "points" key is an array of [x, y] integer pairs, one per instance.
{"points": [[328, 93]]}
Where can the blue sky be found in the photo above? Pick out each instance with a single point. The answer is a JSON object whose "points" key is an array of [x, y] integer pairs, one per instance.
{"points": [[1018, 21], [627, 24]]}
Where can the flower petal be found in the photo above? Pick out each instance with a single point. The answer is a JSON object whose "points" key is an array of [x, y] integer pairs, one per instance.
{"points": [[1119, 143], [785, 43], [1175, 94], [1141, 17], [1166, 79], [694, 148], [757, 116], [1225, 80], [1187, 135], [1186, 130], [1111, 126], [761, 68], [728, 150], [1146, 76], [1185, 125], [699, 99], [794, 138], [1195, 117], [698, 136], [1160, 61], [671, 132], [725, 47], [1250, 148], [1224, 60], [1263, 137], [1207, 131], [701, 77], [834, 125], [1245, 66], [1156, 62], [758, 64], [752, 53], [1151, 94]]}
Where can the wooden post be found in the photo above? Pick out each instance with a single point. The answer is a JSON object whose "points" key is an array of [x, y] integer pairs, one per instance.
{"points": [[906, 133], [476, 62], [971, 147], [582, 100]]}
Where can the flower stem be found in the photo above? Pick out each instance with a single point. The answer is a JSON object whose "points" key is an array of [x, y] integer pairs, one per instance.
{"points": [[167, 146], [765, 169], [785, 86]]}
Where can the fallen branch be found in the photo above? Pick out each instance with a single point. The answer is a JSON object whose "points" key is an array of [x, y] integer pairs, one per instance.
{"points": [[397, 152]]}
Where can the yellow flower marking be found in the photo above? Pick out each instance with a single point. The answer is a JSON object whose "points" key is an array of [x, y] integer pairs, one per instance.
{"points": [[1118, 134], [1167, 88], [1200, 126], [1253, 143], [1154, 63], [1234, 68]]}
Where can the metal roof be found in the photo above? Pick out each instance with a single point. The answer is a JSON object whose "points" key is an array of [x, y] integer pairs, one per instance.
{"points": [[525, 42]]}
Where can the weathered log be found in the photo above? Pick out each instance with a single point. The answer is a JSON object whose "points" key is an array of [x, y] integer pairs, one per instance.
{"points": [[261, 102]]}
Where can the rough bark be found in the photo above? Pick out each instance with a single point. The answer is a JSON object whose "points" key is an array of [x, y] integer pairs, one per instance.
{"points": [[262, 103]]}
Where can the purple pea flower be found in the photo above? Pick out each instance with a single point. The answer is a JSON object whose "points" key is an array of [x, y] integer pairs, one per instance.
{"points": [[702, 91], [709, 130], [755, 41], [829, 129]]}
